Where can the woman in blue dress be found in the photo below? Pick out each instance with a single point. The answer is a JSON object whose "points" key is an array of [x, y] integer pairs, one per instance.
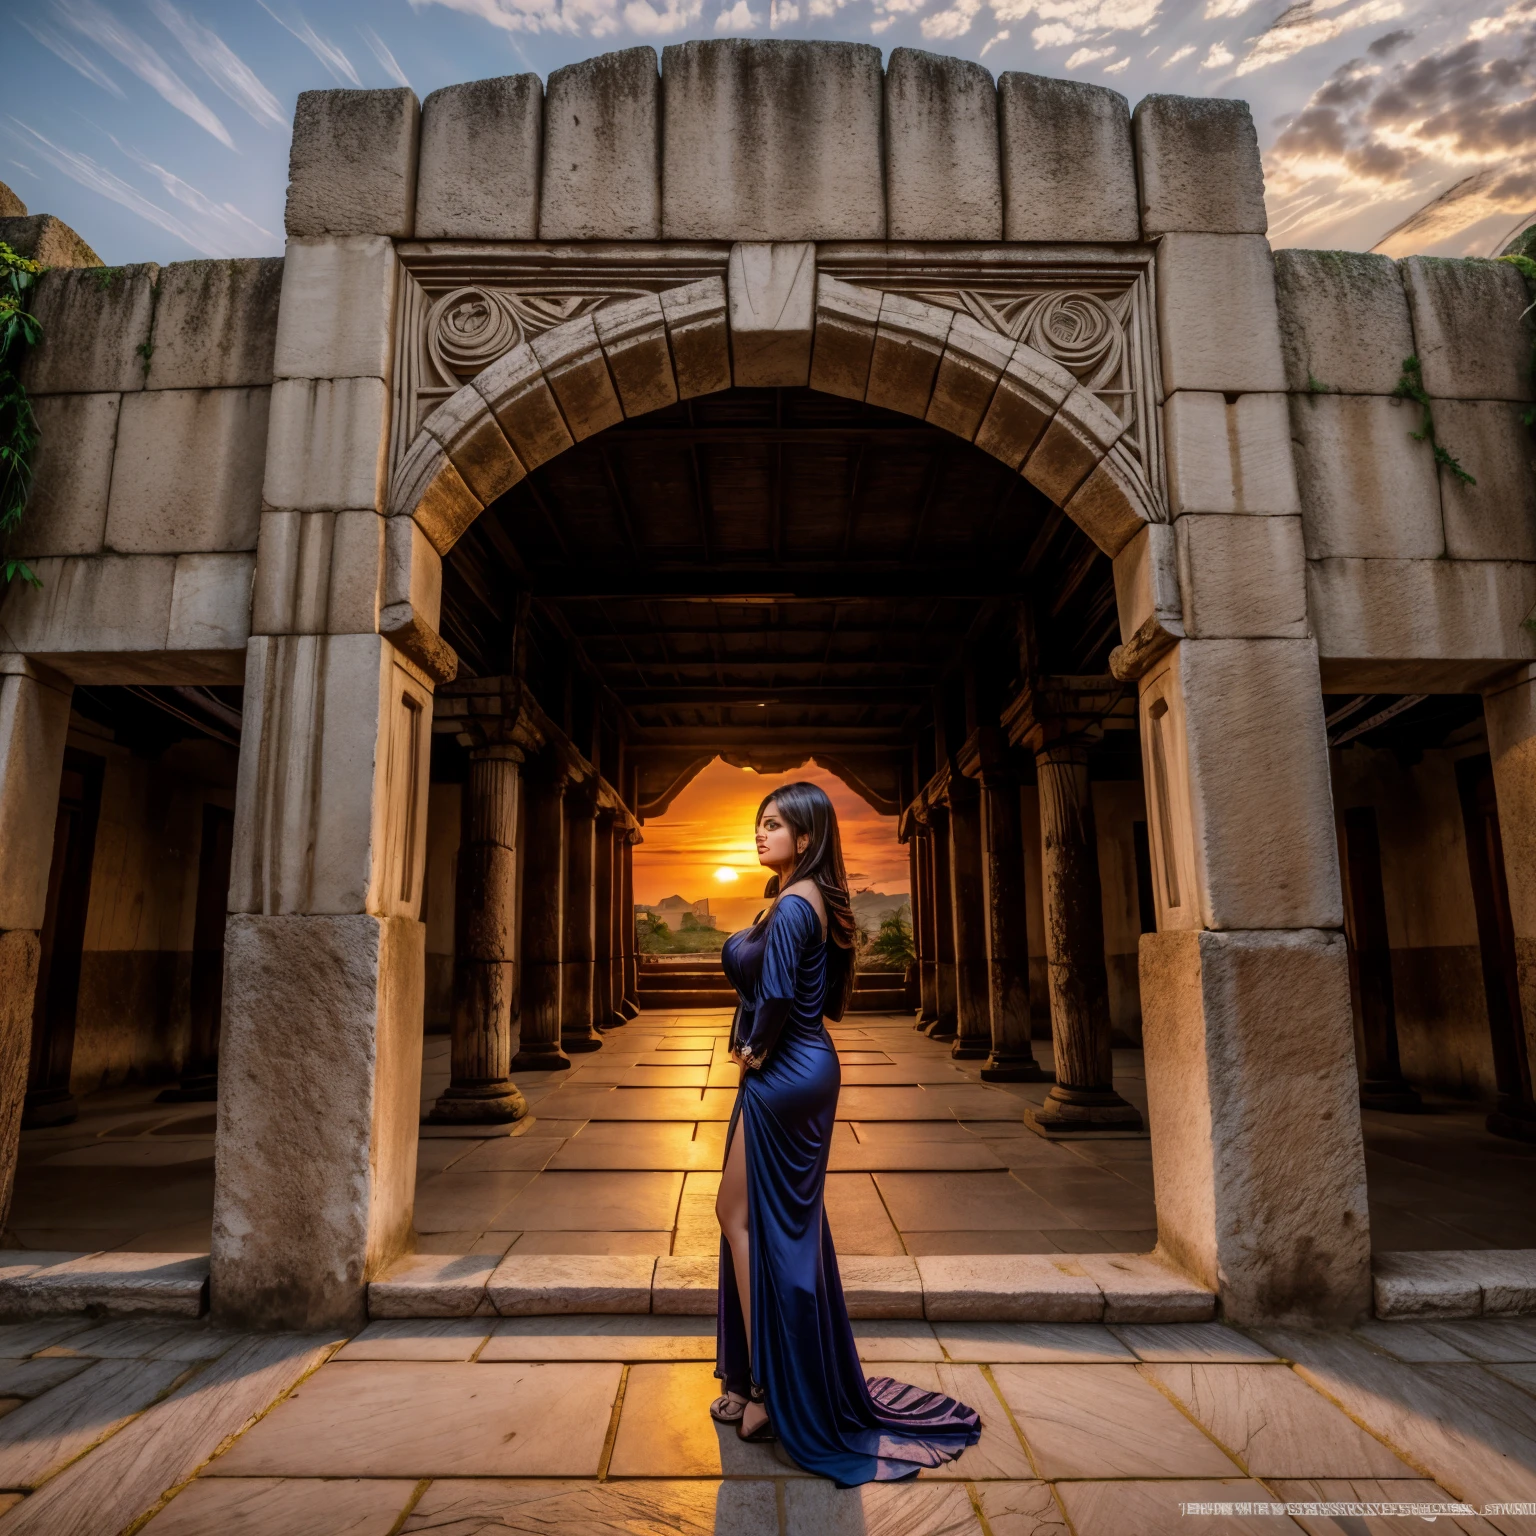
{"points": [[785, 1350]]}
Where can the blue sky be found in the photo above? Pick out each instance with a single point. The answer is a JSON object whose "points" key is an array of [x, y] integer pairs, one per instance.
{"points": [[159, 128]]}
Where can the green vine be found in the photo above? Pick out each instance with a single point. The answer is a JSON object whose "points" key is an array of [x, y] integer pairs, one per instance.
{"points": [[1411, 387], [18, 426], [1527, 269]]}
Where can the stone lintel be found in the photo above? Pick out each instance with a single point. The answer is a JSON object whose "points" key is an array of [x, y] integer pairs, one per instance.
{"points": [[1057, 709]]}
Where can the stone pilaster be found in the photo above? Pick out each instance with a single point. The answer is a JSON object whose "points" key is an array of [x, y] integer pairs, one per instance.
{"points": [[922, 928], [629, 1004], [945, 1025], [605, 887], [544, 783], [580, 918], [973, 1021]]}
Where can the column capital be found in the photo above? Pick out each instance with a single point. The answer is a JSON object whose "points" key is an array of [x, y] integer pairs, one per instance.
{"points": [[482, 712], [1055, 709]]}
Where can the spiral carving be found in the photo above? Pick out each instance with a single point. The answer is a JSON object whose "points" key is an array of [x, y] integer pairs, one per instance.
{"points": [[468, 330], [1078, 330]]}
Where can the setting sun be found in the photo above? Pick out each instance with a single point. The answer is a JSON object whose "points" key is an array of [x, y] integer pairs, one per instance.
{"points": [[726, 876]]}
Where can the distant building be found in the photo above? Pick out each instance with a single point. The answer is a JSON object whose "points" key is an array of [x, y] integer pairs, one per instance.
{"points": [[673, 910]]}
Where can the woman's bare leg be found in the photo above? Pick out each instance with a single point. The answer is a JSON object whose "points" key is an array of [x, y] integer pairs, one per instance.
{"points": [[731, 1212]]}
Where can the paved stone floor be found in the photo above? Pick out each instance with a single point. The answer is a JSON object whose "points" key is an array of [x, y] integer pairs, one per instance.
{"points": [[623, 1156], [599, 1426]]}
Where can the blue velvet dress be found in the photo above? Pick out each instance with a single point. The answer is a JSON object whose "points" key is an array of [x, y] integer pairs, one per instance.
{"points": [[831, 1420]]}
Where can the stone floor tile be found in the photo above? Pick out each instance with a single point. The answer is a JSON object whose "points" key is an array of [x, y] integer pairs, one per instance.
{"points": [[509, 1154], [664, 1145], [859, 1220], [895, 1339], [998, 1454], [18, 1340], [698, 1230], [1104, 1421], [1213, 1343], [600, 1202], [1273, 1423], [458, 1201], [1021, 1509], [1363, 1490], [183, 1237], [878, 1509], [904, 1074], [546, 1508], [969, 1202], [856, 1058], [642, 1243], [41, 1436], [898, 1131], [273, 1506], [405, 1419], [912, 1156], [1031, 1343], [899, 1104], [1024, 1240], [143, 1339], [665, 1429], [447, 1338], [686, 1057], [1153, 1509], [1500, 1339], [602, 1338], [1522, 1374], [1420, 1343], [645, 1076]]}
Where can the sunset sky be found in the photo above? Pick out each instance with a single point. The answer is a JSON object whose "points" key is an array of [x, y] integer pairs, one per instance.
{"points": [[709, 829]]}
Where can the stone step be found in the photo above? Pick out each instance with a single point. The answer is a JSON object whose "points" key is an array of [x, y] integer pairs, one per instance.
{"points": [[682, 998], [116, 1284], [1074, 1288], [1455, 1283]]}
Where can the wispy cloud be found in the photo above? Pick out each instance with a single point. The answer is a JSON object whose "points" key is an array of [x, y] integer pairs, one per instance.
{"points": [[381, 52], [66, 50], [337, 64], [220, 63], [222, 224], [1303, 26], [95, 22]]}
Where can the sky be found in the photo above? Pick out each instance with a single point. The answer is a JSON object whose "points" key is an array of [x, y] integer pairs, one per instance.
{"points": [[159, 129], [707, 832]]}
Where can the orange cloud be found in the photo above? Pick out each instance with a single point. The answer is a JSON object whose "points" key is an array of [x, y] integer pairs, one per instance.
{"points": [[709, 828]]}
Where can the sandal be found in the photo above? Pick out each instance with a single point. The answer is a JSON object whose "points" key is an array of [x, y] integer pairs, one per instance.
{"points": [[759, 1436], [721, 1409]]}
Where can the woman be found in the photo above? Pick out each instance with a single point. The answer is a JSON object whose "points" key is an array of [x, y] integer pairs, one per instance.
{"points": [[785, 1349]]}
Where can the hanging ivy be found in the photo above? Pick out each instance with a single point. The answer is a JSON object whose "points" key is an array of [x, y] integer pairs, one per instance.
{"points": [[1411, 387], [1527, 269], [18, 426]]}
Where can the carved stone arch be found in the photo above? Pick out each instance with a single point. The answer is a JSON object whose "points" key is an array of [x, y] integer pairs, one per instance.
{"points": [[630, 358]]}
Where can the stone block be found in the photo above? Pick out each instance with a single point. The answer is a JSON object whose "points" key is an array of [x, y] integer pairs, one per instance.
{"points": [[846, 318], [1081, 432], [90, 604], [634, 340], [1197, 160], [473, 440], [34, 720], [293, 572], [881, 1287], [478, 173], [1112, 505], [215, 324], [96, 324], [413, 570], [1253, 1104], [941, 155], [767, 139], [1471, 328], [11, 206], [684, 1287], [973, 362], [356, 564], [909, 341], [1242, 576], [573, 363], [43, 238], [699, 335], [20, 954], [1068, 169], [187, 473], [1495, 519], [1344, 323], [337, 310], [1508, 1278], [1028, 395], [524, 406], [1024, 1287], [602, 149], [352, 163], [1373, 612], [326, 445], [72, 473], [540, 1285], [429, 488], [1216, 314], [1138, 1288], [211, 602], [1437, 1284], [1367, 488], [772, 293], [1147, 585], [433, 1285], [1229, 457], [308, 1205], [1237, 727], [117, 1284]]}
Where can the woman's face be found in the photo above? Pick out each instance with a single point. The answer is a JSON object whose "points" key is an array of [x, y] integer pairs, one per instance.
{"points": [[777, 845]]}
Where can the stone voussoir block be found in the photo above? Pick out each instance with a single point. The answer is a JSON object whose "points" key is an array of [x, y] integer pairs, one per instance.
{"points": [[699, 335], [1112, 505], [1216, 315], [1197, 160], [215, 324], [577, 372], [118, 1284], [1006, 1288], [909, 341], [633, 335], [1076, 438], [428, 489], [524, 406], [846, 320], [477, 177], [685, 1287], [472, 438], [771, 287], [1068, 169], [602, 149], [337, 309], [974, 359], [547, 1285], [433, 1285], [769, 139], [1344, 324], [352, 163], [941, 154], [95, 330], [1031, 389], [1472, 327]]}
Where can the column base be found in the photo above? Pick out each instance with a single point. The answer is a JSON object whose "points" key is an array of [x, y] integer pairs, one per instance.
{"points": [[199, 1088], [1083, 1110], [630, 1008], [613, 1020], [1002, 1068], [582, 1039], [969, 1050], [942, 1029], [493, 1103], [923, 1022], [1391, 1094], [541, 1056], [44, 1107]]}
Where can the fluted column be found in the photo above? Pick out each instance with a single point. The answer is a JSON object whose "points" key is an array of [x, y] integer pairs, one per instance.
{"points": [[542, 929], [604, 888], [629, 1004], [973, 1020], [576, 969], [486, 1003], [945, 1025], [1083, 1097]]}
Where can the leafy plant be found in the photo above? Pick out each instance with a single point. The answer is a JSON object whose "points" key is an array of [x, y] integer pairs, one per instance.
{"points": [[1527, 269], [1411, 387], [893, 945], [18, 425]]}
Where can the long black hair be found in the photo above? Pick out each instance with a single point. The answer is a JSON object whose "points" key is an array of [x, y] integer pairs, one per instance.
{"points": [[810, 814]]}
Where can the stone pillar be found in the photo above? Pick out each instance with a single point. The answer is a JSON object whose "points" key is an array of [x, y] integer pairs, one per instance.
{"points": [[973, 1016], [630, 1007], [34, 721], [1083, 1097], [922, 934], [945, 1026], [544, 783], [579, 912], [486, 999], [607, 964]]}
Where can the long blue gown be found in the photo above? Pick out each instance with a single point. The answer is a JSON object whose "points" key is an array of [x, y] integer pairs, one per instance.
{"points": [[831, 1419]]}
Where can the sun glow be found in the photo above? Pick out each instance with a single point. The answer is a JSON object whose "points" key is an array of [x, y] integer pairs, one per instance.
{"points": [[726, 876]]}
